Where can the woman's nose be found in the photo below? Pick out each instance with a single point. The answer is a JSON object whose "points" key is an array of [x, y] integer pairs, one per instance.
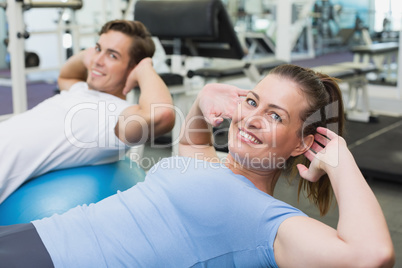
{"points": [[254, 121]]}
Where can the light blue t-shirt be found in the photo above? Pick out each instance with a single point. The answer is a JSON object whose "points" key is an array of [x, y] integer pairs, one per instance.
{"points": [[187, 213]]}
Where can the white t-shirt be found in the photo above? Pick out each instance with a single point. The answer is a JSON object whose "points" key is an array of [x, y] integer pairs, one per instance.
{"points": [[73, 128]]}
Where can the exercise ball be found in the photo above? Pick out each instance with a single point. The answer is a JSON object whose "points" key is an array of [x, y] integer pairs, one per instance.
{"points": [[61, 190]]}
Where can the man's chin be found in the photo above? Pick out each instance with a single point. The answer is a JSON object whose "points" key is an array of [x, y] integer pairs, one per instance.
{"points": [[93, 86]]}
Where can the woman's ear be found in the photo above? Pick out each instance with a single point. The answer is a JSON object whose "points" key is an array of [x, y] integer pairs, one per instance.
{"points": [[304, 145]]}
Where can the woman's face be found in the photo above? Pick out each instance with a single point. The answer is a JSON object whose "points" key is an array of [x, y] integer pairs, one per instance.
{"points": [[263, 132]]}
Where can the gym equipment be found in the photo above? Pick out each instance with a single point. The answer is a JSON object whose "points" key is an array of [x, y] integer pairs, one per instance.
{"points": [[194, 28], [355, 75], [74, 4], [382, 54], [200, 28], [17, 35], [31, 58], [330, 35], [61, 190], [252, 69], [259, 44]]}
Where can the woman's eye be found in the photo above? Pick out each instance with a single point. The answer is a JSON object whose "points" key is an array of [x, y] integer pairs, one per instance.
{"points": [[251, 102], [97, 49], [113, 56], [276, 117]]}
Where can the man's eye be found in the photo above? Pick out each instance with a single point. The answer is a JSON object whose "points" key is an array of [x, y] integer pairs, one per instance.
{"points": [[251, 102]]}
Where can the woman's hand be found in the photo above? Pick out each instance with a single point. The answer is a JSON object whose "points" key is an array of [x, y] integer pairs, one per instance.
{"points": [[324, 154], [219, 101]]}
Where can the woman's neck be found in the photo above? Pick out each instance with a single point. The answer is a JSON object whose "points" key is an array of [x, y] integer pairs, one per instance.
{"points": [[264, 180]]}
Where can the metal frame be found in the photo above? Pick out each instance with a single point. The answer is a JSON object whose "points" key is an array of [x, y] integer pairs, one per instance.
{"points": [[74, 4], [287, 33], [16, 47]]}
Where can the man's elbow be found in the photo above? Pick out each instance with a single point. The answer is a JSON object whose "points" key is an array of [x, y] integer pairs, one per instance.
{"points": [[165, 121]]}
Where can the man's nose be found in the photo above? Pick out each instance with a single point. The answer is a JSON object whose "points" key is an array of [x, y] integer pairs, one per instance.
{"points": [[99, 58]]}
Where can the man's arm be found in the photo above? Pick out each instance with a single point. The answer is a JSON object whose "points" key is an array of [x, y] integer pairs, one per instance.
{"points": [[154, 115], [74, 70]]}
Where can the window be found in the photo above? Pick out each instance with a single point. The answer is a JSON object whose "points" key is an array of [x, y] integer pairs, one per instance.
{"points": [[388, 15]]}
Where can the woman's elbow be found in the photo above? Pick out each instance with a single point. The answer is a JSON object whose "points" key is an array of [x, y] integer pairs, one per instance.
{"points": [[380, 256], [386, 257]]}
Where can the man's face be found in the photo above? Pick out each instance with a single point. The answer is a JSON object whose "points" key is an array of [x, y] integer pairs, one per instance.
{"points": [[108, 69]]}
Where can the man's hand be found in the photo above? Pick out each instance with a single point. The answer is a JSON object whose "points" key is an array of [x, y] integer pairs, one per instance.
{"points": [[135, 75], [75, 69], [88, 56]]}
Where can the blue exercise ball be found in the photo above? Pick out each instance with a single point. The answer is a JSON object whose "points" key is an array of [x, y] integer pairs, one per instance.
{"points": [[61, 190]]}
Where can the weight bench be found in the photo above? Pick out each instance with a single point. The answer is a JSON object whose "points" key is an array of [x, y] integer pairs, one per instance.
{"points": [[379, 53], [252, 69], [259, 43], [355, 75], [200, 28]]}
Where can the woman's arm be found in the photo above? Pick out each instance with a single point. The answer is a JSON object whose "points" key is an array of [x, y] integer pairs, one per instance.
{"points": [[213, 104], [361, 239]]}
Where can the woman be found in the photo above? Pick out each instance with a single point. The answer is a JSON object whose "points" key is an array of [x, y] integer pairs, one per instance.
{"points": [[193, 211]]}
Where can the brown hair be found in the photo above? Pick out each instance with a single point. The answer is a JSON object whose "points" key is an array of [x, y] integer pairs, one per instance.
{"points": [[325, 109], [142, 44]]}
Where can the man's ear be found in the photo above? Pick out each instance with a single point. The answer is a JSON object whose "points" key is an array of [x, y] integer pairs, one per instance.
{"points": [[304, 145]]}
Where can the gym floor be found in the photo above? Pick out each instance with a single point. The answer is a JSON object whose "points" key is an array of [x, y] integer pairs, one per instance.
{"points": [[376, 146]]}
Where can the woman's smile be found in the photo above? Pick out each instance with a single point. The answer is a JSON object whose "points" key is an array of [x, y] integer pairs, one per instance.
{"points": [[248, 137]]}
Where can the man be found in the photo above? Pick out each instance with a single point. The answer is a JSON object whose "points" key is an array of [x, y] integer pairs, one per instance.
{"points": [[90, 122]]}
